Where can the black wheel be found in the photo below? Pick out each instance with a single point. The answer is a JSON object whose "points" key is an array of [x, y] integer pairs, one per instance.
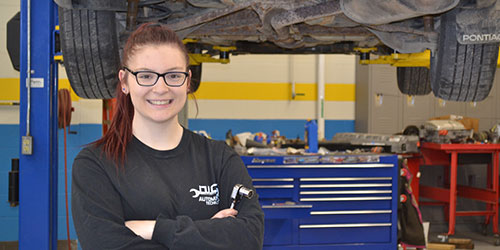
{"points": [[411, 130], [414, 80], [461, 72], [195, 77], [89, 44]]}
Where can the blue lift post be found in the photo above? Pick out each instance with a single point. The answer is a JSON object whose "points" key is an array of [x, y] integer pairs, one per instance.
{"points": [[38, 171]]}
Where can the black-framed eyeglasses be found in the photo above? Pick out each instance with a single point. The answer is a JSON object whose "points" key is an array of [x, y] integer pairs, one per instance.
{"points": [[149, 78]]}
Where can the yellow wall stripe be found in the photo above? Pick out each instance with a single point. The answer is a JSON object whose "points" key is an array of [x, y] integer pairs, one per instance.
{"points": [[273, 91], [227, 91], [10, 89], [340, 92]]}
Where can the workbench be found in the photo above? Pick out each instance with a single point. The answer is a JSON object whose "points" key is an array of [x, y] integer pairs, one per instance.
{"points": [[327, 202], [448, 155]]}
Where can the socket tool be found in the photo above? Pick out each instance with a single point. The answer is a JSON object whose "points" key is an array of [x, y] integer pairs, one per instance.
{"points": [[240, 191]]}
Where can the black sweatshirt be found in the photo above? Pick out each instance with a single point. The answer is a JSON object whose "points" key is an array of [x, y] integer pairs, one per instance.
{"points": [[180, 188]]}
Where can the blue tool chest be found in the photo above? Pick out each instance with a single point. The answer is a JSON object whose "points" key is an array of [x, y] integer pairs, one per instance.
{"points": [[327, 202]]}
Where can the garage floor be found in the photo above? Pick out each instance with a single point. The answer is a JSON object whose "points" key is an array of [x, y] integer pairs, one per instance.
{"points": [[481, 242]]}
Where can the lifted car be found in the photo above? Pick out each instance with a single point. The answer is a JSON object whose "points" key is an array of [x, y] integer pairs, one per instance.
{"points": [[462, 35]]}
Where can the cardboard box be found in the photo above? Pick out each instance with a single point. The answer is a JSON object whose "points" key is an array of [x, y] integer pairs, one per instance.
{"points": [[468, 122]]}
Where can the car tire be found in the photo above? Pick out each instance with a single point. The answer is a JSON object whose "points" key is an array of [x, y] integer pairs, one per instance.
{"points": [[461, 72], [90, 48], [414, 80]]}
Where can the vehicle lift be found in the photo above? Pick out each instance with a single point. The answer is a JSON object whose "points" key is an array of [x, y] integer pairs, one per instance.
{"points": [[38, 126]]}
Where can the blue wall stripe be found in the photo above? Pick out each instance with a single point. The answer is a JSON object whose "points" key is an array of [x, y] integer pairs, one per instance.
{"points": [[6, 210], [9, 148], [217, 128], [9, 229]]}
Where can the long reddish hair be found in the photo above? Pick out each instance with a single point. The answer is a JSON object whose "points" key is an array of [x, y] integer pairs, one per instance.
{"points": [[114, 142]]}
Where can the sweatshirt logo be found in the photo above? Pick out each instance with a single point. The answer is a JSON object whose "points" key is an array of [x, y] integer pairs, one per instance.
{"points": [[207, 194]]}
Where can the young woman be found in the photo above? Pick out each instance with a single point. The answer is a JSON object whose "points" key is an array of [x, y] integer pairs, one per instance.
{"points": [[149, 183]]}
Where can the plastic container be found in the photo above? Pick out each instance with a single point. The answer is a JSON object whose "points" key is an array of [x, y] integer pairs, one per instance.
{"points": [[311, 136]]}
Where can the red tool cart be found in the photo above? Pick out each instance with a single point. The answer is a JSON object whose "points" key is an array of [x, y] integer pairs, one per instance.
{"points": [[432, 154]]}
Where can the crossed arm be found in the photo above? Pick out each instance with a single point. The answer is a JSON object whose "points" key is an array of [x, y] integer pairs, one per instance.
{"points": [[145, 228]]}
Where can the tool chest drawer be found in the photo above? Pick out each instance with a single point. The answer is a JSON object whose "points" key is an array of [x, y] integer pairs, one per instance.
{"points": [[347, 192], [348, 216], [274, 187], [351, 200], [345, 233]]}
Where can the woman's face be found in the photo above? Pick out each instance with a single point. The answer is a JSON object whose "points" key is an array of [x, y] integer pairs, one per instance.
{"points": [[158, 103]]}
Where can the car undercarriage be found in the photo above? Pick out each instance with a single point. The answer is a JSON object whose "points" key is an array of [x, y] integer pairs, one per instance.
{"points": [[459, 33]]}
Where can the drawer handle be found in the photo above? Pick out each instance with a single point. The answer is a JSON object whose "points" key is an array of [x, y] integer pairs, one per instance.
{"points": [[347, 225], [348, 192], [346, 185], [351, 212], [273, 179], [287, 206], [273, 186], [347, 199], [325, 166], [348, 179]]}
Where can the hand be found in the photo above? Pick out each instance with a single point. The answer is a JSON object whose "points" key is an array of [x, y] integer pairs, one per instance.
{"points": [[228, 212], [143, 228]]}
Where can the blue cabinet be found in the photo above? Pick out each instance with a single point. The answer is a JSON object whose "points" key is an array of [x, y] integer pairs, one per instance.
{"points": [[327, 202]]}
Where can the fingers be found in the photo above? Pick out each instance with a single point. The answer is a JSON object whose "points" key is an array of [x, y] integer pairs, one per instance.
{"points": [[229, 212]]}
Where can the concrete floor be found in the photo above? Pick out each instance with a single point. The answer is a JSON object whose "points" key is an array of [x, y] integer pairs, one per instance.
{"points": [[469, 227], [481, 242]]}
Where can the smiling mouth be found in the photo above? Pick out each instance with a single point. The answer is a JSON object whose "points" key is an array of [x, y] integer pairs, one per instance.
{"points": [[163, 102]]}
